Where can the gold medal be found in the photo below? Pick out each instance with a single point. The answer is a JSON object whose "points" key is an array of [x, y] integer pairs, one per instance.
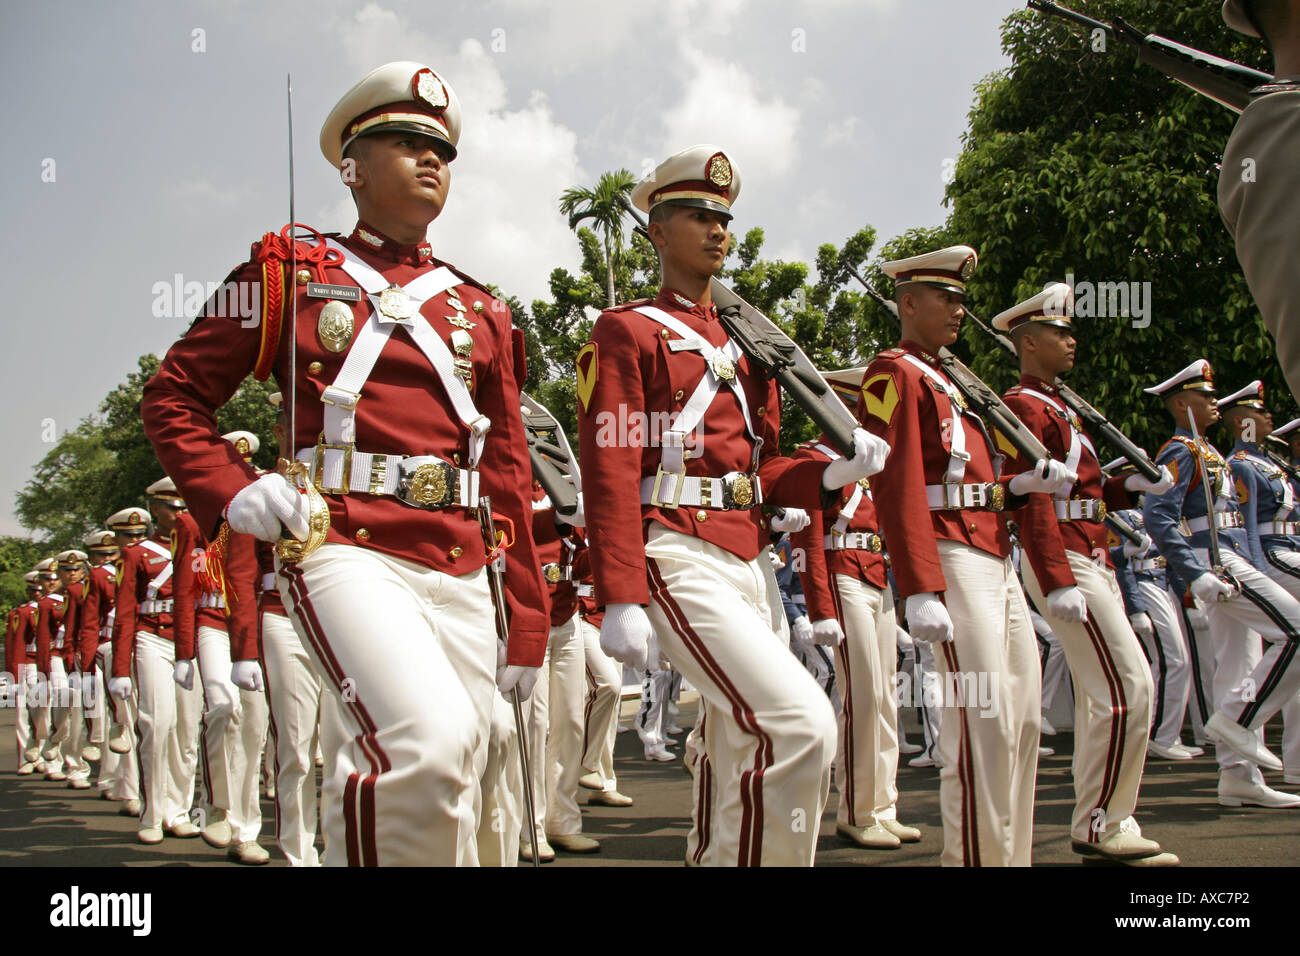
{"points": [[463, 345], [334, 326], [461, 322], [396, 304]]}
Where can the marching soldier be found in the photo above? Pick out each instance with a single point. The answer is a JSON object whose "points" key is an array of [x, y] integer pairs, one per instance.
{"points": [[20, 658], [676, 531], [1268, 501], [950, 555], [101, 553], [1238, 598], [851, 607], [65, 663], [49, 665], [604, 694], [404, 413], [1259, 180], [1069, 578], [144, 659]]}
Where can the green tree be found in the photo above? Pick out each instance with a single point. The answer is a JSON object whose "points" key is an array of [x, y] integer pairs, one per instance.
{"points": [[1083, 161], [604, 203], [17, 557]]}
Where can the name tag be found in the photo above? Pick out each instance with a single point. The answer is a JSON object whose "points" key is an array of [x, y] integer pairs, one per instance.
{"points": [[683, 345], [319, 290]]}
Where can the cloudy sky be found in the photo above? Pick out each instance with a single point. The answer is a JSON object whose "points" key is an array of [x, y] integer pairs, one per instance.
{"points": [[146, 143]]}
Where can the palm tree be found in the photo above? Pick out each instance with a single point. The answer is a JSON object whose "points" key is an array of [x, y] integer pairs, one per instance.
{"points": [[604, 203]]}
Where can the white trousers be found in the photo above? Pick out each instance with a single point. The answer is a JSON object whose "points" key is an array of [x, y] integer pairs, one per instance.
{"points": [[992, 694], [69, 722], [1262, 606], [119, 774], [167, 726], [1201, 655], [27, 714], [553, 715], [408, 655], [1170, 664], [293, 695], [234, 736], [866, 665], [770, 736], [657, 690], [500, 830], [600, 713], [930, 707], [1054, 666], [1112, 690], [1284, 568]]}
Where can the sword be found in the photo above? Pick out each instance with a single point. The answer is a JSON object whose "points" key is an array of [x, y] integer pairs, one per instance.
{"points": [[496, 584], [1216, 556]]}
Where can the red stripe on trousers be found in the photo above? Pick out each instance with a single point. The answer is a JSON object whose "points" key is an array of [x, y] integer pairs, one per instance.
{"points": [[970, 848], [751, 781], [846, 696], [1118, 718]]}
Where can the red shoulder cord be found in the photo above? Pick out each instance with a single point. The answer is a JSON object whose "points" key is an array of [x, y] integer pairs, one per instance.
{"points": [[211, 573], [274, 253], [503, 542]]}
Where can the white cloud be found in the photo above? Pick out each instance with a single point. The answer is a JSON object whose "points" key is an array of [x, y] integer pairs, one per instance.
{"points": [[841, 132]]}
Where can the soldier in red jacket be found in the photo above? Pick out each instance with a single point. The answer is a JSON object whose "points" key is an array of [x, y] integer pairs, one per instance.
{"points": [[49, 667], [20, 651], [841, 564], [65, 685], [144, 658], [950, 555], [101, 552], [405, 413], [679, 439], [1069, 576]]}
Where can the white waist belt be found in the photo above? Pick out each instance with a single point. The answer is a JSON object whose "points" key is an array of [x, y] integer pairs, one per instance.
{"points": [[733, 491], [423, 481], [268, 581], [584, 590], [1148, 564], [853, 541], [155, 606], [1081, 509], [1285, 527], [56, 644], [954, 497], [210, 600], [1222, 519]]}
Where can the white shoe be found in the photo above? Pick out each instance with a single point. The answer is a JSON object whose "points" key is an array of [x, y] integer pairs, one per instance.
{"points": [[905, 746], [1172, 752], [250, 853], [545, 853], [1235, 792], [674, 729], [874, 837], [1126, 843], [660, 753], [27, 769], [129, 808], [55, 774], [591, 781], [218, 834], [79, 783], [1047, 727], [1245, 743], [1192, 749], [183, 830], [150, 835], [91, 752], [923, 760], [904, 833], [1045, 752], [118, 742]]}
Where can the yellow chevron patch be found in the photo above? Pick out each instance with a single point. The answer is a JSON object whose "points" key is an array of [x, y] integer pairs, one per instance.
{"points": [[880, 397], [1004, 444], [587, 367]]}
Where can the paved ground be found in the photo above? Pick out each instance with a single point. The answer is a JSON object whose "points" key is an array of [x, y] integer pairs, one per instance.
{"points": [[43, 823]]}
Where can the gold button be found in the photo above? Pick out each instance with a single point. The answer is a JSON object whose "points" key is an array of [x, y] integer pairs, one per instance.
{"points": [[315, 367], [478, 307], [456, 458], [663, 333], [303, 276], [362, 534], [972, 527], [456, 552], [679, 395], [701, 516], [762, 410]]}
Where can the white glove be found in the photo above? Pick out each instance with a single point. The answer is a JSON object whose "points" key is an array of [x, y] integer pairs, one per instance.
{"points": [[247, 675], [1208, 588], [794, 519], [927, 618], [518, 678], [869, 454], [1142, 483], [120, 687], [183, 674], [1144, 545], [1047, 476], [578, 519], [827, 632], [262, 507], [1142, 626], [1067, 604], [802, 630], [626, 636]]}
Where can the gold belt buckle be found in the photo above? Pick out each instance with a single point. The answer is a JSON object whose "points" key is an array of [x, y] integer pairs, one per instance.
{"points": [[738, 493], [318, 466], [430, 484], [677, 488]]}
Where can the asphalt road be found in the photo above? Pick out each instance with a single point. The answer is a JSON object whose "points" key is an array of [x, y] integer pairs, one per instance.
{"points": [[43, 823]]}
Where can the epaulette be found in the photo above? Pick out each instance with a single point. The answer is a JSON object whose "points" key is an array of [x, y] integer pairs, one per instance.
{"points": [[470, 280], [1013, 390], [622, 306], [1240, 456], [276, 256], [891, 353]]}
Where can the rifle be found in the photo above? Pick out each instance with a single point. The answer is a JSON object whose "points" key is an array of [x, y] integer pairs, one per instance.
{"points": [[982, 399], [1279, 458], [1216, 555], [1095, 420], [778, 356], [554, 464], [1224, 81]]}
